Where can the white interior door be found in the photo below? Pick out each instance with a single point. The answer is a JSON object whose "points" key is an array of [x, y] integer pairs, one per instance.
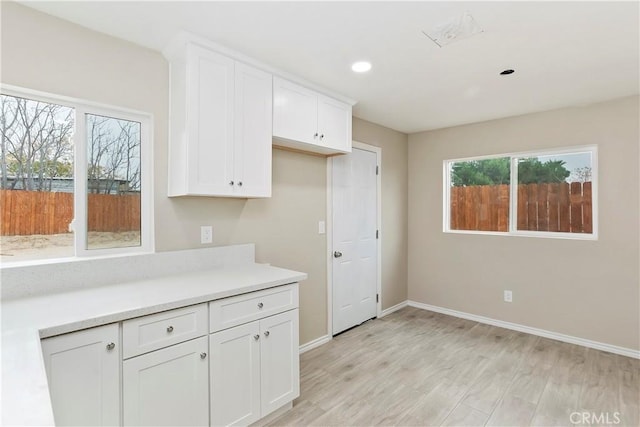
{"points": [[355, 245]]}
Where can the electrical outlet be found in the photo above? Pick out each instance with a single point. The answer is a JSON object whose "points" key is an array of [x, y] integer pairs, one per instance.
{"points": [[206, 234], [508, 296]]}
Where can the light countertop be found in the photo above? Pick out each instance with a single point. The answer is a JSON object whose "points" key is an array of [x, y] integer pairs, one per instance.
{"points": [[25, 395]]}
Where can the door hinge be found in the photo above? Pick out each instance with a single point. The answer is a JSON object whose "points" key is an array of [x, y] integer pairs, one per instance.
{"points": [[377, 234], [377, 297], [377, 170]]}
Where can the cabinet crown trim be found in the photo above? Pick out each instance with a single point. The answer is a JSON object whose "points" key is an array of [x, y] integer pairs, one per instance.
{"points": [[178, 43]]}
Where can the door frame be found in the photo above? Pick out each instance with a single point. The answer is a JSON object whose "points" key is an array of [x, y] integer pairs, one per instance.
{"points": [[329, 231]]}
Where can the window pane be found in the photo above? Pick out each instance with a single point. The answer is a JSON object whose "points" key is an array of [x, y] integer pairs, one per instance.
{"points": [[113, 186], [554, 193], [36, 179], [479, 194]]}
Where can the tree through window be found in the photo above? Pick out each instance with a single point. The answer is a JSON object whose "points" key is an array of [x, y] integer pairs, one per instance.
{"points": [[551, 192]]}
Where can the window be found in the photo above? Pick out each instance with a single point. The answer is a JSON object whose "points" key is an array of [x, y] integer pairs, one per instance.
{"points": [[75, 178], [544, 194]]}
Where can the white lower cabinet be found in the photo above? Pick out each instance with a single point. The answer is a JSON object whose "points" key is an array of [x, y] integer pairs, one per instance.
{"points": [[279, 361], [83, 370], [167, 387], [254, 369], [235, 375], [174, 371]]}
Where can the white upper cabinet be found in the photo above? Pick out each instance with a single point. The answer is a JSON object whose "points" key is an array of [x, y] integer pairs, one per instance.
{"points": [[306, 120], [220, 125], [253, 123]]}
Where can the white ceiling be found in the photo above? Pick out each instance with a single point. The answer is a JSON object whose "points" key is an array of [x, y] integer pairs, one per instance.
{"points": [[564, 53]]}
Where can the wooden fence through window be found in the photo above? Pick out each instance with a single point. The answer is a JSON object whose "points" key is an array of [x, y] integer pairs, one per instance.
{"points": [[40, 212], [558, 207]]}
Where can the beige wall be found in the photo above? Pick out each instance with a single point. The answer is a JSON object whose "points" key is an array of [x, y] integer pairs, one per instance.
{"points": [[588, 289], [285, 231], [48, 54]]}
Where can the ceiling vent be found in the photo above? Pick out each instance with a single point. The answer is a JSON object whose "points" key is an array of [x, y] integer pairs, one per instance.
{"points": [[458, 28]]}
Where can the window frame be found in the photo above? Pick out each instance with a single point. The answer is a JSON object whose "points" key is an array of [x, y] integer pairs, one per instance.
{"points": [[513, 193], [79, 224]]}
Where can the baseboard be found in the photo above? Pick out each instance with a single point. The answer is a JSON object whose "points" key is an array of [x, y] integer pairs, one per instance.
{"points": [[391, 309], [530, 330], [315, 343]]}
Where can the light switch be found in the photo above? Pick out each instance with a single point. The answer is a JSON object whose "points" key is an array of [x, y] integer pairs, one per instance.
{"points": [[321, 227]]}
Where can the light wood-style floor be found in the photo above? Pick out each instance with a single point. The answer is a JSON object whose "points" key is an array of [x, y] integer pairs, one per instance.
{"points": [[419, 368]]}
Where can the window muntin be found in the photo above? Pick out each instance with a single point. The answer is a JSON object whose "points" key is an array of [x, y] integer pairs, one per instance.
{"points": [[544, 194], [135, 167]]}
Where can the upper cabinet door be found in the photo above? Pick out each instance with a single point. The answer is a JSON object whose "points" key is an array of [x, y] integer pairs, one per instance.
{"points": [[210, 118], [253, 131], [334, 124], [308, 121], [83, 369], [294, 112]]}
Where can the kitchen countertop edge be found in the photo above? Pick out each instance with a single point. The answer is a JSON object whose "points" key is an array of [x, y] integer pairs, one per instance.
{"points": [[25, 393]]}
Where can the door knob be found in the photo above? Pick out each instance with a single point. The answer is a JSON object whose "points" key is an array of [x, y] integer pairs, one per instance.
{"points": [[337, 254]]}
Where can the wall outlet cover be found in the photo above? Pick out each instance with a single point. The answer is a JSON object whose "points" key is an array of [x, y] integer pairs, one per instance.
{"points": [[508, 296], [206, 234]]}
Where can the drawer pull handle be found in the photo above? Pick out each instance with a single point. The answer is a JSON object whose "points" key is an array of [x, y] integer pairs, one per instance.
{"points": [[266, 334], [260, 305], [203, 355], [170, 329], [256, 337], [111, 346]]}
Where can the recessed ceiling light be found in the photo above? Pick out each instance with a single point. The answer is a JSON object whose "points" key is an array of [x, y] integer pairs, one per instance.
{"points": [[361, 67], [507, 72]]}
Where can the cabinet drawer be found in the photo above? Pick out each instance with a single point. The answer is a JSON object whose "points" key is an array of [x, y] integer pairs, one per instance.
{"points": [[155, 331], [234, 311]]}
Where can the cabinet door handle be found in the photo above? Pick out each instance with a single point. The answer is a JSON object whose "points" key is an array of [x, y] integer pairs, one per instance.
{"points": [[230, 182], [170, 329], [322, 136], [239, 183], [256, 337], [260, 305], [111, 346], [203, 355], [266, 334], [315, 135]]}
